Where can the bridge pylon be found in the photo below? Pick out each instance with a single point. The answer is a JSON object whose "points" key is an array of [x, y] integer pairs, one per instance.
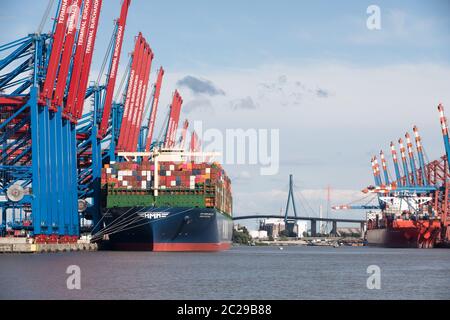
{"points": [[289, 223]]}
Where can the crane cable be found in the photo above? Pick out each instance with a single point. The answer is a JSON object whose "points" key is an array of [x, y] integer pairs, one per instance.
{"points": [[148, 106], [371, 196], [45, 16], [105, 59], [148, 222], [122, 81], [113, 223], [142, 224], [127, 222], [163, 129], [121, 224]]}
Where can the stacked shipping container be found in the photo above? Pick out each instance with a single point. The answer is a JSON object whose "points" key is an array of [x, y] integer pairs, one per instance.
{"points": [[207, 181]]}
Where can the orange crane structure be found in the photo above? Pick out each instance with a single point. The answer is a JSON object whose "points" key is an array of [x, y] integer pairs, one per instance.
{"points": [[415, 207]]}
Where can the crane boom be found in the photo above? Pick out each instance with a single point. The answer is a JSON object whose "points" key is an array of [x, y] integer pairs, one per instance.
{"points": [[174, 118], [152, 117], [445, 132], [183, 134], [396, 166], [87, 60], [355, 207], [61, 81], [393, 188], [412, 159], [140, 102], [419, 146], [374, 170], [135, 98], [55, 55], [194, 145], [131, 90], [78, 59], [404, 161], [377, 171], [384, 166], [113, 67]]}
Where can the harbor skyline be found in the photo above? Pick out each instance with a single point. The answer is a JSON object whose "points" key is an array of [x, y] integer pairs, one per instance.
{"points": [[330, 85], [199, 153]]}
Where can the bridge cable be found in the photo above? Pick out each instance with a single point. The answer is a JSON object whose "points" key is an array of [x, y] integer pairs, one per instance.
{"points": [[303, 198], [294, 198]]}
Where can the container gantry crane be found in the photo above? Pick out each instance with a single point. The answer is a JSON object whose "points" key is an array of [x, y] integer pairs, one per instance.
{"points": [[42, 185], [113, 67], [148, 126], [182, 139], [426, 180], [93, 128], [412, 159], [195, 143], [135, 96], [398, 175], [385, 169], [52, 145], [422, 169], [172, 124]]}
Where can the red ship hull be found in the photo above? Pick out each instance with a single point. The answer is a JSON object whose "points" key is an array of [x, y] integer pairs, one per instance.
{"points": [[173, 247], [405, 234]]}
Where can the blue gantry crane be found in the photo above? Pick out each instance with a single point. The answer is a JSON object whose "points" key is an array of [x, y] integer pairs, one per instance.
{"points": [[57, 130], [94, 127], [50, 145]]}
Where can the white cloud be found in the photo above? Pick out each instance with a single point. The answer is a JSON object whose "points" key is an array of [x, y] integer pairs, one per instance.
{"points": [[245, 103], [198, 104], [333, 138]]}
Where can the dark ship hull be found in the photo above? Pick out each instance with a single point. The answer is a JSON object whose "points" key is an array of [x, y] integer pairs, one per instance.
{"points": [[392, 238], [168, 229], [405, 234]]}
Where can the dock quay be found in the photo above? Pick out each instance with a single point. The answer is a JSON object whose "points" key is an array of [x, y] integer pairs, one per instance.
{"points": [[24, 245]]}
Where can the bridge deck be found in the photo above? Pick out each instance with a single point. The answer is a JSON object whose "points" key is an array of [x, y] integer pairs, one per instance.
{"points": [[299, 218]]}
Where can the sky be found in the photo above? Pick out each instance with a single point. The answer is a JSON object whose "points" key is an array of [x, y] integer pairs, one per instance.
{"points": [[336, 91]]}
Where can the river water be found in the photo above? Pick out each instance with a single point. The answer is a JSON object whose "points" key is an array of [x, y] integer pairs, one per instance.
{"points": [[240, 273]]}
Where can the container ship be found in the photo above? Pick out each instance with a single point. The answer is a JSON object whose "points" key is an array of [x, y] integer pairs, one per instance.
{"points": [[404, 222], [168, 202], [413, 207]]}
